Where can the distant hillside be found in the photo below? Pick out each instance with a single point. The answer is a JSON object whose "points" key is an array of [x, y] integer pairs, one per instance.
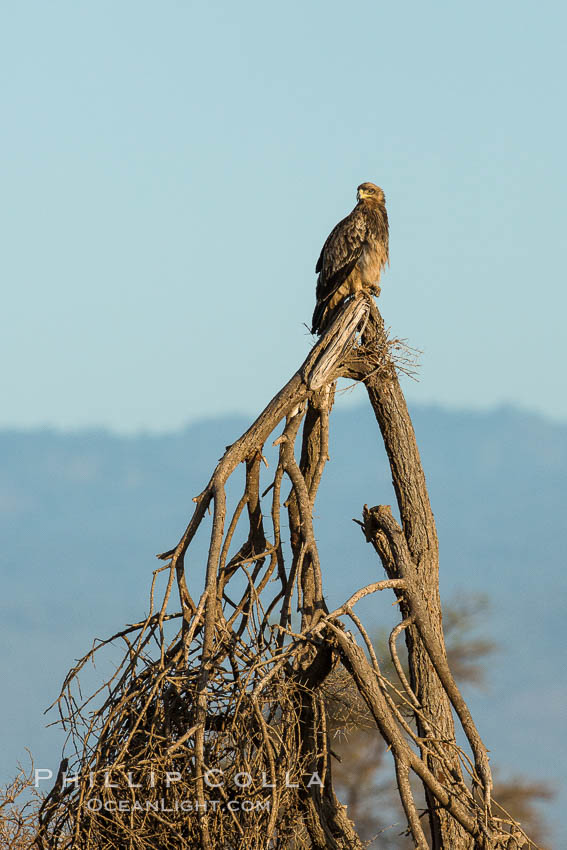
{"points": [[82, 515]]}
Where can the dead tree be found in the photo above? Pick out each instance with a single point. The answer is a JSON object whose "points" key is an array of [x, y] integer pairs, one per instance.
{"points": [[225, 697]]}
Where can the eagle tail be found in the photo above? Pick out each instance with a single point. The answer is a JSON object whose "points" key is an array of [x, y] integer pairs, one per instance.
{"points": [[318, 315]]}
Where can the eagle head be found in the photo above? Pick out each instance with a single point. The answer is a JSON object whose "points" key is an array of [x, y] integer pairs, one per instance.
{"points": [[370, 192]]}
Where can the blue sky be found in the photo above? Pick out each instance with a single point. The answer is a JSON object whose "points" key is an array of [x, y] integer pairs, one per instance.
{"points": [[170, 170]]}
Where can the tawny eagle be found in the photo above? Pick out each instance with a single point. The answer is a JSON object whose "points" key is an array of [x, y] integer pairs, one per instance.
{"points": [[353, 255]]}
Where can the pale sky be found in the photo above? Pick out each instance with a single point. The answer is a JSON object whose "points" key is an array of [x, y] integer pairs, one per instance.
{"points": [[170, 170]]}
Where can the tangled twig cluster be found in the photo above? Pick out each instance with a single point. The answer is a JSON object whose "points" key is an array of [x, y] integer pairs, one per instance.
{"points": [[213, 730], [20, 801]]}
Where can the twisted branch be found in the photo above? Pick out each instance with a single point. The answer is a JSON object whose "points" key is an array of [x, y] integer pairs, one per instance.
{"points": [[222, 703]]}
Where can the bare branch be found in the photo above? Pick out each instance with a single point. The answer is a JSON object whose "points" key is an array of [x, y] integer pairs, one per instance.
{"points": [[235, 685]]}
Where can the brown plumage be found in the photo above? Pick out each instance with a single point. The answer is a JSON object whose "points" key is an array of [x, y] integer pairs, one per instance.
{"points": [[353, 256]]}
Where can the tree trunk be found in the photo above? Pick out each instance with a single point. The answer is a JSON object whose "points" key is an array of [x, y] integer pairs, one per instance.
{"points": [[241, 685]]}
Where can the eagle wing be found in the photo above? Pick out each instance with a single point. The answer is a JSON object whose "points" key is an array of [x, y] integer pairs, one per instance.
{"points": [[340, 253]]}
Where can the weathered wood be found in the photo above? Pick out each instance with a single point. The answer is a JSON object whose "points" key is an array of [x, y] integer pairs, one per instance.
{"points": [[242, 681], [421, 571]]}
